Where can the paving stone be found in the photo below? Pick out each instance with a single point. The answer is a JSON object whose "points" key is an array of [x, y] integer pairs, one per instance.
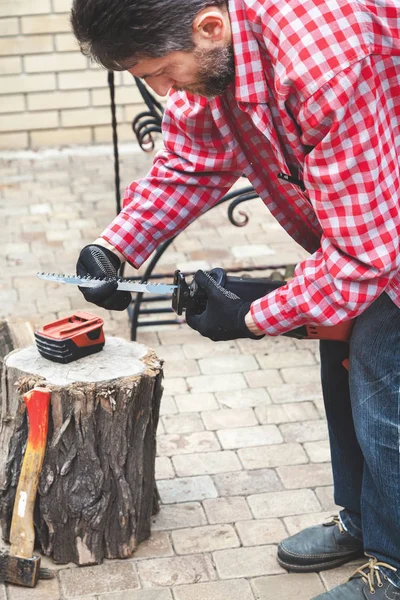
{"points": [[305, 431], [297, 523], [243, 398], [282, 504], [272, 456], [341, 574], [188, 514], [228, 364], [44, 590], [91, 597], [295, 392], [158, 544], [261, 531], [243, 483], [251, 250], [216, 383], [204, 539], [320, 405], [266, 345], [279, 360], [175, 385], [249, 436], [230, 418], [301, 476], [325, 496], [148, 338], [108, 577], [264, 378], [286, 413], [187, 443], [207, 463], [164, 468], [168, 406], [178, 335], [156, 594], [169, 352], [186, 489], [180, 368], [247, 562], [318, 451], [40, 209], [227, 510], [312, 345], [179, 570], [217, 590], [293, 586], [196, 402], [205, 348], [301, 375], [183, 423]]}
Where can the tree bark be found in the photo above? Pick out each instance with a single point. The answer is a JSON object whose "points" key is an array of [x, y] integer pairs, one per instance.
{"points": [[97, 489]]}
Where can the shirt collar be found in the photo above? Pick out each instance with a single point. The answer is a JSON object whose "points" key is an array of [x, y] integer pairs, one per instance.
{"points": [[250, 84]]}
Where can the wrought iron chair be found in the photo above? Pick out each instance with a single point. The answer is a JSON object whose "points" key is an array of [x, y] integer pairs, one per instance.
{"points": [[144, 125]]}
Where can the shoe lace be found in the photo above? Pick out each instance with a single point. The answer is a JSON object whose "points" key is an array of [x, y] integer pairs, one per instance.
{"points": [[335, 520], [370, 573]]}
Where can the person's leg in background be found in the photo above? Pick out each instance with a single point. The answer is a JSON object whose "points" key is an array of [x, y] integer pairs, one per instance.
{"points": [[346, 455], [331, 544]]}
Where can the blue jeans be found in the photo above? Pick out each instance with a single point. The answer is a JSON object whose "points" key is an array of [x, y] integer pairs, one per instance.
{"points": [[363, 413]]}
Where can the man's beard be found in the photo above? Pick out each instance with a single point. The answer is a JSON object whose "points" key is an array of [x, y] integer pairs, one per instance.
{"points": [[215, 73]]}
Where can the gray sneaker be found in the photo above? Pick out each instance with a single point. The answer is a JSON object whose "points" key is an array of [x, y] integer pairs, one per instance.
{"points": [[318, 548], [366, 583]]}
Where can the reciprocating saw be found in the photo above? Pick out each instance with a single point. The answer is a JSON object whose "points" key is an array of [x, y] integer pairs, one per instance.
{"points": [[184, 293]]}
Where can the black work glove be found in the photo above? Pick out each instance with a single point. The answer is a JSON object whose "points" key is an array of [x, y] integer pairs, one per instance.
{"points": [[223, 317], [96, 261]]}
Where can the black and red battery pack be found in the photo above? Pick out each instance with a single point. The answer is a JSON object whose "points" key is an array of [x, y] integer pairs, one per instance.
{"points": [[71, 338]]}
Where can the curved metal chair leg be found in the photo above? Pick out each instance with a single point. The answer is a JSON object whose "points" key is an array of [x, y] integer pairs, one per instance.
{"points": [[139, 297]]}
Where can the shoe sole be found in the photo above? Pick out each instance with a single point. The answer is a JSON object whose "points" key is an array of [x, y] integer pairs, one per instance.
{"points": [[332, 564]]}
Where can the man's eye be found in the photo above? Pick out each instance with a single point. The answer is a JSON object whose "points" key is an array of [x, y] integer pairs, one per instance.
{"points": [[152, 75]]}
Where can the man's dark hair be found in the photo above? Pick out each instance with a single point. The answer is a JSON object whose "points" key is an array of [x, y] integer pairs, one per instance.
{"points": [[116, 33]]}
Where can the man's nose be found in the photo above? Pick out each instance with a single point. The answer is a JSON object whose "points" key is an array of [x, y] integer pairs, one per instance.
{"points": [[160, 85]]}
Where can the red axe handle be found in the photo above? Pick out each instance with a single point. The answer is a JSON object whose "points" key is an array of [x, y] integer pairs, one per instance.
{"points": [[22, 534]]}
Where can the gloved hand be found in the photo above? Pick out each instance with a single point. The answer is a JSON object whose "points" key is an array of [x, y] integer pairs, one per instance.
{"points": [[223, 317], [96, 261]]}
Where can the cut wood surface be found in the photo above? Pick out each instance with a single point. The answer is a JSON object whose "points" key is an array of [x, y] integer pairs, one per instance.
{"points": [[97, 488]]}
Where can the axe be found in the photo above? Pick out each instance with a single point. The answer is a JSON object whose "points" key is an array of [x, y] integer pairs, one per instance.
{"points": [[20, 566]]}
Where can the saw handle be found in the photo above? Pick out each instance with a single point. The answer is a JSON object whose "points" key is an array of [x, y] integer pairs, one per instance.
{"points": [[251, 289], [22, 533]]}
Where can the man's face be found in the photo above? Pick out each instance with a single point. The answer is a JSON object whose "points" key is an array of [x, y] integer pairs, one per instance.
{"points": [[206, 72]]}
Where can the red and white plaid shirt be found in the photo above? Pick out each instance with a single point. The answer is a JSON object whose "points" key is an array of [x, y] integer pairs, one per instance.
{"points": [[316, 97]]}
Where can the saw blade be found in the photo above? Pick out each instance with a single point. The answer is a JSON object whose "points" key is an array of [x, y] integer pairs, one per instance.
{"points": [[124, 285]]}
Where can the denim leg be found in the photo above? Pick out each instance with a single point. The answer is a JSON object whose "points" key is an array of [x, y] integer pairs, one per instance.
{"points": [[346, 456], [375, 397]]}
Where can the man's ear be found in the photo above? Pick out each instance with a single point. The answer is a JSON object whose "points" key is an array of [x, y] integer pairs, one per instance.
{"points": [[211, 27]]}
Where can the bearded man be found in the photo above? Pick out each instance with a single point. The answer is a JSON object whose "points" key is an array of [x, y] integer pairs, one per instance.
{"points": [[303, 97]]}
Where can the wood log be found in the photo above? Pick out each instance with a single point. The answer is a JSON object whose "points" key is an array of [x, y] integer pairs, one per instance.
{"points": [[97, 490]]}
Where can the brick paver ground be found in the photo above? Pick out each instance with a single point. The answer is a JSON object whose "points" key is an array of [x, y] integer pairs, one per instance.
{"points": [[243, 457]]}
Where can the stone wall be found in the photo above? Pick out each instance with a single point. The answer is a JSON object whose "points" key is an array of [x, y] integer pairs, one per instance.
{"points": [[50, 95]]}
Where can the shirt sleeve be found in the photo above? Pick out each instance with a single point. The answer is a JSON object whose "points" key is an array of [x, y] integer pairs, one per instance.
{"points": [[352, 179], [192, 172]]}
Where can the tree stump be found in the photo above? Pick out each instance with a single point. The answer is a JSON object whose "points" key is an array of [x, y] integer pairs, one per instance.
{"points": [[14, 335], [97, 490]]}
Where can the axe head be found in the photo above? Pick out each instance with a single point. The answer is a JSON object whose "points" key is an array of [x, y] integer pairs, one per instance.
{"points": [[19, 571]]}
